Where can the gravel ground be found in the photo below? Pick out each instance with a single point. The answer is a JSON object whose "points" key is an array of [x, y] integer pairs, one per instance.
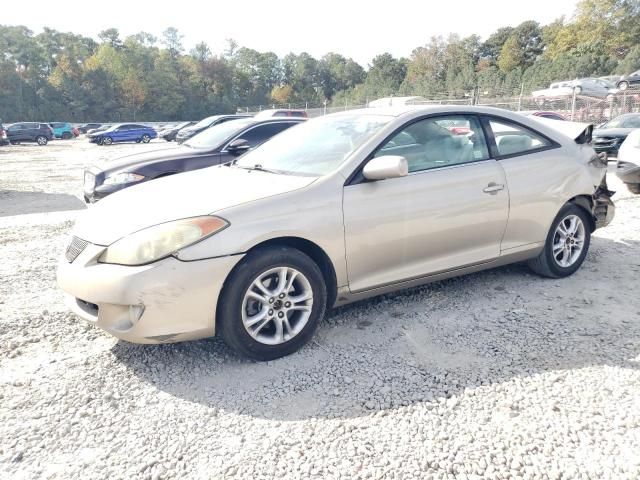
{"points": [[500, 374]]}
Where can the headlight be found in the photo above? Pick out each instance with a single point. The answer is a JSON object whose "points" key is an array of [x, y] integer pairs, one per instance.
{"points": [[159, 241], [119, 178]]}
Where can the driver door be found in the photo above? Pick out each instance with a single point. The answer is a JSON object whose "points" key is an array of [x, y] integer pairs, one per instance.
{"points": [[449, 212]]}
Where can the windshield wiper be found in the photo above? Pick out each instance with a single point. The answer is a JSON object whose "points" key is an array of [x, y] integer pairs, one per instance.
{"points": [[260, 168]]}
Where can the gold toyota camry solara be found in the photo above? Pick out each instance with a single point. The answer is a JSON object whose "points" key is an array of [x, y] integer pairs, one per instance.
{"points": [[337, 209]]}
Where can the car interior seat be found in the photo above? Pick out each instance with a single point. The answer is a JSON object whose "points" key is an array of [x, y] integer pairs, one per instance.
{"points": [[509, 144]]}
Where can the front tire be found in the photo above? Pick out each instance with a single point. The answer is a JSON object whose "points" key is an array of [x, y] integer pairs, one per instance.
{"points": [[41, 140], [146, 139], [623, 85], [567, 244], [634, 187], [107, 141], [66, 136], [272, 303]]}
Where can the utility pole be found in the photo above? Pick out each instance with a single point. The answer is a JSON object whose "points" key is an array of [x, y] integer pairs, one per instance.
{"points": [[520, 97]]}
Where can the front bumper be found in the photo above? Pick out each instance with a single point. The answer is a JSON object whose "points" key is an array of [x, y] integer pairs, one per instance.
{"points": [[628, 172], [162, 302], [101, 191], [95, 139]]}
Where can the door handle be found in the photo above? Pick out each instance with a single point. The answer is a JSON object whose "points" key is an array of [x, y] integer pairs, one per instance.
{"points": [[493, 188]]}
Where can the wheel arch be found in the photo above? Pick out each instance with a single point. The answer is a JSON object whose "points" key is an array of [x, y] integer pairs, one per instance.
{"points": [[311, 249], [586, 203]]}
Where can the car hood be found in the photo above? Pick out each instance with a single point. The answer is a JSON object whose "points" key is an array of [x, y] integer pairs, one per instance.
{"points": [[612, 132], [188, 130], [130, 163], [190, 194]]}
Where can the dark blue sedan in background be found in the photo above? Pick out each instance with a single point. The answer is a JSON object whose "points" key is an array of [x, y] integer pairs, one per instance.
{"points": [[125, 132]]}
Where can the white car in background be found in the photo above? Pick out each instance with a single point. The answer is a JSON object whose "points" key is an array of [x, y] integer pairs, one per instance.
{"points": [[589, 87], [628, 166]]}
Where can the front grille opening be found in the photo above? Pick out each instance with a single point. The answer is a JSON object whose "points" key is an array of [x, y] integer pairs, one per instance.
{"points": [[75, 248]]}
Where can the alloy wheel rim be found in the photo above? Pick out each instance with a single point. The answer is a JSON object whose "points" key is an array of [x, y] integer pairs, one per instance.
{"points": [[277, 305], [40, 141], [568, 241]]}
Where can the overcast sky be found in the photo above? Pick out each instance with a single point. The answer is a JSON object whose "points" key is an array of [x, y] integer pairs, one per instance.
{"points": [[356, 29]]}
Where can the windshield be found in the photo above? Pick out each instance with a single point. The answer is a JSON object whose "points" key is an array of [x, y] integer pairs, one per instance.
{"points": [[205, 122], [316, 147], [215, 136]]}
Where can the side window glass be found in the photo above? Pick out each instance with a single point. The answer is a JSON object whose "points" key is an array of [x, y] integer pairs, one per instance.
{"points": [[512, 139], [261, 133], [438, 142]]}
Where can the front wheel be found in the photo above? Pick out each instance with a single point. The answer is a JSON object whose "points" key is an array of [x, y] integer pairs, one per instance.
{"points": [[66, 135], [634, 187], [623, 85], [146, 139], [566, 246], [272, 303], [41, 140], [107, 141]]}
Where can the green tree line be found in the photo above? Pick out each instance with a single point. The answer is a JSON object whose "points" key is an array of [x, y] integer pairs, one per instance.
{"points": [[63, 76]]}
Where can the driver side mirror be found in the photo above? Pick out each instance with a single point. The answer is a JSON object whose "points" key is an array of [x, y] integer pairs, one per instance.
{"points": [[387, 166], [238, 146]]}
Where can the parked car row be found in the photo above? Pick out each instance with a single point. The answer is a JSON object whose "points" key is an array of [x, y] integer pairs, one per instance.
{"points": [[107, 134], [602, 87], [36, 132], [591, 87], [256, 249]]}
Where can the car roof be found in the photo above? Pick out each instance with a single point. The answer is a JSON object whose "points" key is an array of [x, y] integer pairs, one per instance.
{"points": [[251, 121], [406, 110]]}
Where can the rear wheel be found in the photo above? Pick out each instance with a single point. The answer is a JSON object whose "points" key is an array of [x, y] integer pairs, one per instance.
{"points": [[66, 135], [623, 85], [107, 141], [41, 140], [15, 142], [566, 246], [272, 303], [634, 187], [146, 138]]}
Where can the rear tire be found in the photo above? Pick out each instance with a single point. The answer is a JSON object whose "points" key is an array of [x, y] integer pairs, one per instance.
{"points": [[66, 136], [563, 253], [623, 85], [634, 187], [289, 307], [41, 140]]}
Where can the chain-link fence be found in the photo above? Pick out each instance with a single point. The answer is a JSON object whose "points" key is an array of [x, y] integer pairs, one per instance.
{"points": [[579, 108]]}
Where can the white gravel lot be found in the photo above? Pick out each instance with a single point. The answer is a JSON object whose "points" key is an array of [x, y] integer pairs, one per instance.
{"points": [[500, 374]]}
